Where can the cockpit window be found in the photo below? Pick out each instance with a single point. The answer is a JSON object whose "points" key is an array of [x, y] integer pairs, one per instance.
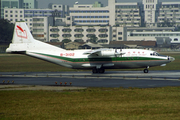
{"points": [[154, 54], [157, 54]]}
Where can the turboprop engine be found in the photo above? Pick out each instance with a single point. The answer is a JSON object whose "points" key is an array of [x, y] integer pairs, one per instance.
{"points": [[110, 52], [105, 52]]}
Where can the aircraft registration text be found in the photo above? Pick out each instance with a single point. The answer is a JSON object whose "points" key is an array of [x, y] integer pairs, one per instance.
{"points": [[67, 54]]}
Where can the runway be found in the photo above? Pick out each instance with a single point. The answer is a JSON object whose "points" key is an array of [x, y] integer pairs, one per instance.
{"points": [[124, 79]]}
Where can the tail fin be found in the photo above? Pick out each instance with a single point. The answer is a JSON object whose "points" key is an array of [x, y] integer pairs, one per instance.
{"points": [[23, 41], [22, 33]]}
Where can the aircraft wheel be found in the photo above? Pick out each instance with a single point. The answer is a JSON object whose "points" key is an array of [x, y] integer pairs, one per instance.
{"points": [[146, 70], [94, 71], [101, 70]]}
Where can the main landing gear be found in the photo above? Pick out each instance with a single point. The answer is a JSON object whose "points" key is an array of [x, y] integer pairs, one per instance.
{"points": [[146, 70], [101, 70]]}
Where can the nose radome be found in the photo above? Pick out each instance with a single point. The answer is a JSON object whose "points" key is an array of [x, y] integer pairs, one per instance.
{"points": [[171, 58]]}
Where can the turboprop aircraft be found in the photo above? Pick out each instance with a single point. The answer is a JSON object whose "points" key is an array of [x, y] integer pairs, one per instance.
{"points": [[97, 60]]}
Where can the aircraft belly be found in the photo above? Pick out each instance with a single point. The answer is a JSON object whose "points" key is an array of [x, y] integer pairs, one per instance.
{"points": [[139, 64], [50, 59], [120, 65]]}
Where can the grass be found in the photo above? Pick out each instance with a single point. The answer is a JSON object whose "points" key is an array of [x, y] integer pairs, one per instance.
{"points": [[92, 104], [19, 63]]}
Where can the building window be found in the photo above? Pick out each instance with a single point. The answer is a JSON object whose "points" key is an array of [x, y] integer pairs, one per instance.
{"points": [[119, 38], [119, 33]]}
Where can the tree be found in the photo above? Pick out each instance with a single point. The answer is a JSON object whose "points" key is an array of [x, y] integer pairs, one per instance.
{"points": [[93, 39], [6, 31]]}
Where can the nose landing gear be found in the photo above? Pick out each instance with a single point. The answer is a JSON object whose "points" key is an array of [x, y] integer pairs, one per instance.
{"points": [[146, 70]]}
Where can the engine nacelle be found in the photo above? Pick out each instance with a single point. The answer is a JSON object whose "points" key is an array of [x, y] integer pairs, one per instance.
{"points": [[107, 53]]}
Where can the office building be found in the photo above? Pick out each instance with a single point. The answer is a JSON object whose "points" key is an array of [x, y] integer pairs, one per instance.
{"points": [[10, 4], [80, 33], [30, 4], [18, 4], [169, 11], [89, 15]]}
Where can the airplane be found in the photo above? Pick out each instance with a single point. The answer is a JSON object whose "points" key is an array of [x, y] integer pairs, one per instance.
{"points": [[96, 60]]}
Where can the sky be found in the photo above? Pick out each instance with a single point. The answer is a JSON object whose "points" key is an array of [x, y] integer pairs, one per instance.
{"points": [[44, 3]]}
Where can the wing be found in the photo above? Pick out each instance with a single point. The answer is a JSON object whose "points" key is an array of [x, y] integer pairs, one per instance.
{"points": [[104, 52]]}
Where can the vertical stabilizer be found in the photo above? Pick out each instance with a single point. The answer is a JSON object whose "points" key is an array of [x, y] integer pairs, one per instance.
{"points": [[22, 33], [23, 41]]}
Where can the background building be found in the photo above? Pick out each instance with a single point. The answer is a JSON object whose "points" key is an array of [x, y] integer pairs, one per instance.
{"points": [[149, 20], [30, 4], [89, 15], [127, 14], [169, 12], [41, 28], [80, 33], [10, 4], [151, 12], [18, 4]]}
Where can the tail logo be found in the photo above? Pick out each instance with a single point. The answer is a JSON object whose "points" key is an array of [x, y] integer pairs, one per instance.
{"points": [[20, 32]]}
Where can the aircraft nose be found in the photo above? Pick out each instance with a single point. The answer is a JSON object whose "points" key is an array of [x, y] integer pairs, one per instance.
{"points": [[171, 58]]}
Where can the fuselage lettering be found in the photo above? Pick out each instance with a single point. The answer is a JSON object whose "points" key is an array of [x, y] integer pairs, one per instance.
{"points": [[67, 54]]}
